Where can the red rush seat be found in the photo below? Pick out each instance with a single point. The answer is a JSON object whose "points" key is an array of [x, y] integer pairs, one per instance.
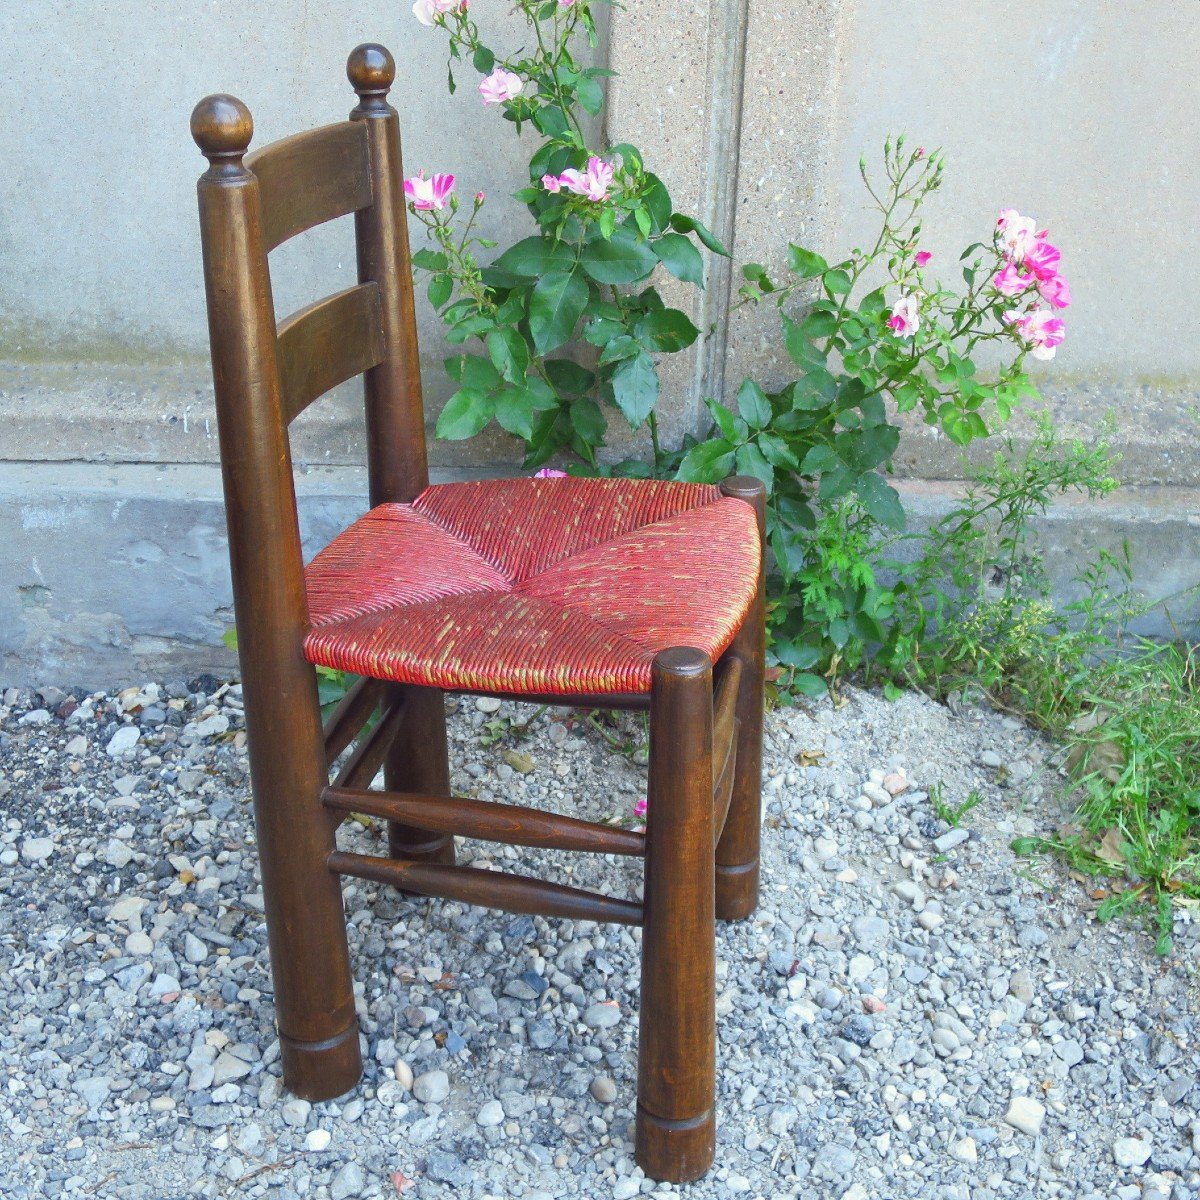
{"points": [[542, 586], [604, 593]]}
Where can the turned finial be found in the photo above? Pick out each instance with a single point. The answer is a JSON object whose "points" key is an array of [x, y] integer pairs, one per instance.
{"points": [[222, 127], [371, 70]]}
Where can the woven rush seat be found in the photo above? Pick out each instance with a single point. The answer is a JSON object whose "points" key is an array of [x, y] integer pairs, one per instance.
{"points": [[557, 586]]}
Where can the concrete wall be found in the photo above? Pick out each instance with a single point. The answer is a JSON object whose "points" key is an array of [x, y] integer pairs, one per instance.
{"points": [[754, 113]]}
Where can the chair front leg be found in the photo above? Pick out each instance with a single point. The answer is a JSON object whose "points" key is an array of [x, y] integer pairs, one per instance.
{"points": [[306, 923], [676, 1124], [738, 849], [418, 761]]}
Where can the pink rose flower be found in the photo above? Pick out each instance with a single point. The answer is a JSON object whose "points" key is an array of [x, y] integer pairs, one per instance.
{"points": [[906, 316], [1041, 329], [1011, 281], [1055, 291], [1018, 234], [428, 11], [1043, 259], [922, 257], [594, 183], [499, 86], [549, 473], [552, 183], [639, 809], [428, 193]]}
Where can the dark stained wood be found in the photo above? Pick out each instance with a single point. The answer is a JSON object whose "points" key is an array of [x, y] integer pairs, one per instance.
{"points": [[418, 762], [676, 1123], [705, 761], [738, 849], [489, 889], [723, 774], [370, 754], [327, 343], [506, 823], [314, 1009], [396, 461], [311, 178], [352, 712], [725, 710]]}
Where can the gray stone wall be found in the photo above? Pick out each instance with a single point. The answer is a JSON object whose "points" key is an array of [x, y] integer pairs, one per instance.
{"points": [[754, 113]]}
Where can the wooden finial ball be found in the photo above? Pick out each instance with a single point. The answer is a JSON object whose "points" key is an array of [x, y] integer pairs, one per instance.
{"points": [[371, 69], [222, 127]]}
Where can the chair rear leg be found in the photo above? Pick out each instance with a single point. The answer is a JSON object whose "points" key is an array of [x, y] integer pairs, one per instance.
{"points": [[738, 849], [418, 761], [676, 1125], [306, 924]]}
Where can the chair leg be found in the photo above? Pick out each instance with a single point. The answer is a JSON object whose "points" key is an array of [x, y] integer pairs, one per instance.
{"points": [[418, 761], [676, 1124], [306, 923], [738, 849]]}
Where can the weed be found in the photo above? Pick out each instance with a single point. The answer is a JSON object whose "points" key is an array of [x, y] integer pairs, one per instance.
{"points": [[952, 814]]}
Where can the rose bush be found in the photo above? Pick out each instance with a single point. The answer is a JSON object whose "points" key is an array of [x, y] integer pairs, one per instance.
{"points": [[566, 325]]}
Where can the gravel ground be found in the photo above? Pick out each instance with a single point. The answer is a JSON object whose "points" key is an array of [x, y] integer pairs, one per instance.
{"points": [[912, 1013]]}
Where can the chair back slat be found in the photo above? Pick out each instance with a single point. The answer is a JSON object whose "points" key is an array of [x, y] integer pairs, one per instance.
{"points": [[327, 343], [312, 178]]}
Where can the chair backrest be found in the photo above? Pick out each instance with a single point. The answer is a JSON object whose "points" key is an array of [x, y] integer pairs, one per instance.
{"points": [[267, 372]]}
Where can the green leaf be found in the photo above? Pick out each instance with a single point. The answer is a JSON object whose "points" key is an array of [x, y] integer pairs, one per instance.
{"points": [[635, 388], [881, 500], [777, 452], [622, 259], [590, 95], [569, 378], [483, 60], [805, 263], [818, 459], [534, 257], [621, 347], [430, 260], [809, 685], [837, 283], [588, 421], [793, 654], [645, 222], [708, 462], [601, 332], [680, 257], [750, 461], [473, 371], [667, 329], [465, 414], [509, 353], [727, 423], [818, 324], [753, 404], [439, 290], [658, 203], [873, 302], [799, 345], [515, 412], [555, 306], [691, 225]]}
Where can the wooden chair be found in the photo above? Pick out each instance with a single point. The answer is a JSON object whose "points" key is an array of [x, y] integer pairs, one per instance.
{"points": [[597, 593]]}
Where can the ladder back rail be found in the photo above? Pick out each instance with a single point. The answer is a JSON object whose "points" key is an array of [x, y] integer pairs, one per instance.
{"points": [[312, 178], [327, 343]]}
